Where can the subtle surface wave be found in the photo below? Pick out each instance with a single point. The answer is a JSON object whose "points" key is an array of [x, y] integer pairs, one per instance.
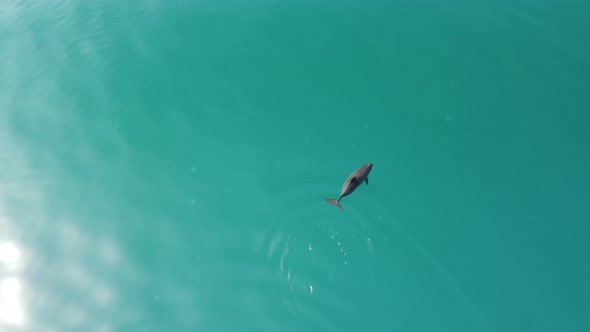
{"points": [[329, 260], [164, 165]]}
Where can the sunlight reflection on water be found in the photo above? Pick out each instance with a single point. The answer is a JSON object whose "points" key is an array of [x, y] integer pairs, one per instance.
{"points": [[10, 303], [11, 311], [47, 297], [9, 253], [55, 273]]}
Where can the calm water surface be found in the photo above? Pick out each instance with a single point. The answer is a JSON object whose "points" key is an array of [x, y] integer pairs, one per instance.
{"points": [[164, 165]]}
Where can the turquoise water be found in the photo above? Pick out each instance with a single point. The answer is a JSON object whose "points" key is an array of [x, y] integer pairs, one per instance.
{"points": [[164, 165]]}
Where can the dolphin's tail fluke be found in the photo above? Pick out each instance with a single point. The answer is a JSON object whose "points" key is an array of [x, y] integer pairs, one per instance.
{"points": [[334, 202]]}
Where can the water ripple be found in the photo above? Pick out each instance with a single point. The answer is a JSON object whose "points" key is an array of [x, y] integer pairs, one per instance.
{"points": [[310, 248], [351, 262]]}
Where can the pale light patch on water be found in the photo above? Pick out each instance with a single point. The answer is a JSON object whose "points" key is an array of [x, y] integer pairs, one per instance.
{"points": [[89, 265], [9, 254], [11, 310], [108, 252], [370, 244], [9, 13], [47, 263]]}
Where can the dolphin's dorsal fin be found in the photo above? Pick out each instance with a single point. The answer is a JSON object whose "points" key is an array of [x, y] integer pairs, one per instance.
{"points": [[353, 180]]}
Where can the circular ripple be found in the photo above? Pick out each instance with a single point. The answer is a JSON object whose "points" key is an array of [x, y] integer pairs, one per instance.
{"points": [[315, 249], [346, 269]]}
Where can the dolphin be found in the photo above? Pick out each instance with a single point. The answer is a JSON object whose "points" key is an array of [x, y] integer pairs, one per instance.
{"points": [[354, 180]]}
